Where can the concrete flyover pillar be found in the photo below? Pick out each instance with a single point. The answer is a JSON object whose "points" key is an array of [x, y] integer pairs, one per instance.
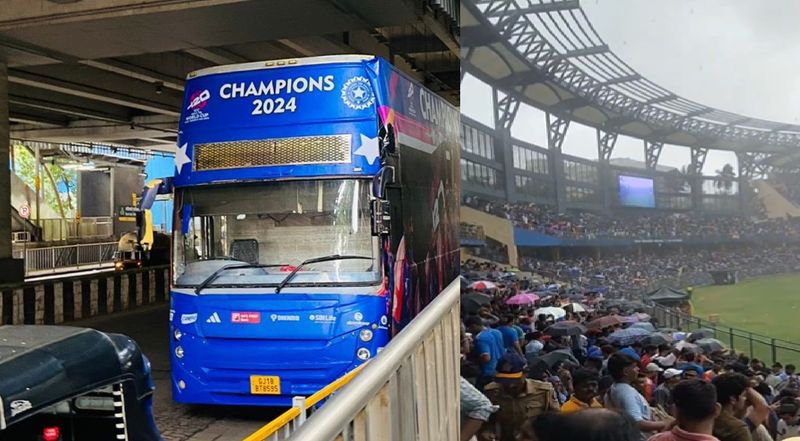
{"points": [[12, 269]]}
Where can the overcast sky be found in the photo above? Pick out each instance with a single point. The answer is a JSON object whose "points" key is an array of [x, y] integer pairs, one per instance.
{"points": [[741, 56]]}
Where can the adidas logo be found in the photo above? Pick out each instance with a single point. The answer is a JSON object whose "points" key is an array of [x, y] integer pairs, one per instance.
{"points": [[214, 318]]}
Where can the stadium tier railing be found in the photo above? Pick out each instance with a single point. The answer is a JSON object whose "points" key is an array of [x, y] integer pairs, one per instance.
{"points": [[754, 345]]}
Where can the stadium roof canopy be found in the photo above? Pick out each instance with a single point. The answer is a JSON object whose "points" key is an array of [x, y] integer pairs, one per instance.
{"points": [[547, 53]]}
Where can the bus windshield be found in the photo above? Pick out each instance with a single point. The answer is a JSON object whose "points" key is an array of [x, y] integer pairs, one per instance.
{"points": [[275, 226]]}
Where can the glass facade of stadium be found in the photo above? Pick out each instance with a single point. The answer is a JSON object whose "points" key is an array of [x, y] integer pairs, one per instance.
{"points": [[494, 165]]}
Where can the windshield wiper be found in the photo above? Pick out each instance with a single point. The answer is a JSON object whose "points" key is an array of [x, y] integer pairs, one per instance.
{"points": [[315, 260], [217, 273]]}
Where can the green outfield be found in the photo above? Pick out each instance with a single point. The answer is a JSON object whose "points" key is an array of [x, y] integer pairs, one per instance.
{"points": [[768, 306]]}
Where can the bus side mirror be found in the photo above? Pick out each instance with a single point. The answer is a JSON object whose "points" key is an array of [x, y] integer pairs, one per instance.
{"points": [[381, 217], [384, 177]]}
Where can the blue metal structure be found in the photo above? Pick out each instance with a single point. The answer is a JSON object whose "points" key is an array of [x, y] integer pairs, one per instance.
{"points": [[316, 212]]}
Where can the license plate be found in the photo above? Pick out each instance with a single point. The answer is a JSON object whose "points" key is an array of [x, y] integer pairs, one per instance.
{"points": [[265, 385]]}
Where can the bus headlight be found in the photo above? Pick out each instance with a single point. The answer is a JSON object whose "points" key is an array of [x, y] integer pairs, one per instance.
{"points": [[179, 352], [178, 334], [365, 335], [363, 354]]}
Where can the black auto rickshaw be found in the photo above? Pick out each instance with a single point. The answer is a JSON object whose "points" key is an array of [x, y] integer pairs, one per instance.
{"points": [[61, 383]]}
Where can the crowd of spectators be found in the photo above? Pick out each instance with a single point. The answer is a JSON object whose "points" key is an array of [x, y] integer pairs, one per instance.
{"points": [[588, 225], [628, 274], [589, 369]]}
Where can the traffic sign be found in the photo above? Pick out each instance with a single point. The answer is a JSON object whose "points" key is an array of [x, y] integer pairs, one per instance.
{"points": [[25, 211]]}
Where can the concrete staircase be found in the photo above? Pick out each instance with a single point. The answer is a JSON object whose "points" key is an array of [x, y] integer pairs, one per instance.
{"points": [[495, 227], [775, 204]]}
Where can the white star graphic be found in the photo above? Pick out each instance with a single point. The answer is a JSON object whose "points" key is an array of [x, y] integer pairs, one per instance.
{"points": [[369, 149], [359, 92], [181, 157]]}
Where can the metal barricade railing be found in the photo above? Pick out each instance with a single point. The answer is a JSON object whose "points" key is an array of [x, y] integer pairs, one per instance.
{"points": [[408, 392], [281, 427], [87, 228], [68, 257]]}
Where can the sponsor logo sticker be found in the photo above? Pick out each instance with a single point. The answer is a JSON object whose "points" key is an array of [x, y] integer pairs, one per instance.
{"points": [[213, 318], [188, 319], [284, 317], [322, 318], [252, 318]]}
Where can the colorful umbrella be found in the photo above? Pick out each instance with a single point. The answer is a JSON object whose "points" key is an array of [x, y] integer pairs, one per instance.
{"points": [[647, 326], [625, 337], [604, 322], [522, 299], [482, 285]]}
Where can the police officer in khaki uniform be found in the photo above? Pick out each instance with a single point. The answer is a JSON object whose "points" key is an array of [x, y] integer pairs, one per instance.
{"points": [[519, 398]]}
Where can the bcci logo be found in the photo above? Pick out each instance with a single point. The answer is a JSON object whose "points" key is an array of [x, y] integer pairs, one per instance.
{"points": [[357, 93]]}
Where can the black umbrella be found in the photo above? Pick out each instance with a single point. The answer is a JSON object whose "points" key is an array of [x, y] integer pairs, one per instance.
{"points": [[565, 328], [472, 301], [656, 340], [559, 356], [700, 333], [709, 345]]}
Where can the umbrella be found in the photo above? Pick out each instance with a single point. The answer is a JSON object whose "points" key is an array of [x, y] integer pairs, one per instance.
{"points": [[559, 356], [604, 322], [522, 299], [647, 326], [482, 285], [625, 337], [577, 307], [667, 330], [683, 344], [474, 300], [551, 310], [643, 317], [709, 345], [656, 340], [700, 333], [565, 328], [630, 319]]}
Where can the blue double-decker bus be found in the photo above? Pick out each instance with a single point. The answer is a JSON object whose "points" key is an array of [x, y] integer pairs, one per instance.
{"points": [[316, 213]]}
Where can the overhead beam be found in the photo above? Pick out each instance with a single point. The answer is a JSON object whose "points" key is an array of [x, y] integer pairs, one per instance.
{"points": [[620, 80], [661, 99], [582, 52], [81, 134], [68, 88], [136, 72], [216, 55], [63, 109], [539, 8]]}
